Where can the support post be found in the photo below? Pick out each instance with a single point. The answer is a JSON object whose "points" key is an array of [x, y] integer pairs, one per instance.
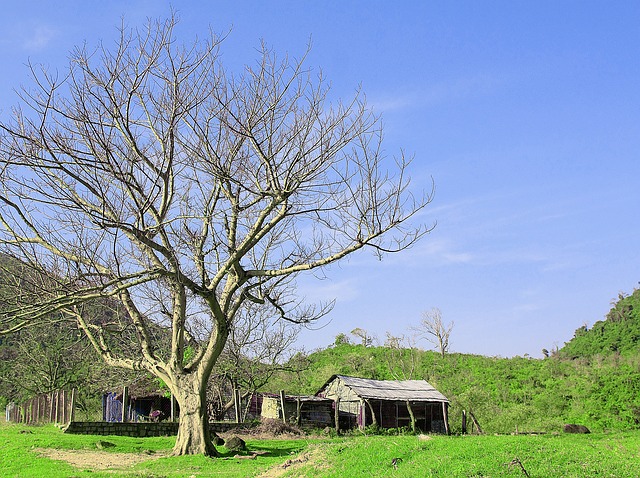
{"points": [[298, 410], [336, 415], [125, 404], [173, 408], [282, 403]]}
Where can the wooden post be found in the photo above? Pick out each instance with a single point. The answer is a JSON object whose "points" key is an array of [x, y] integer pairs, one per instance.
{"points": [[445, 416], [173, 408], [57, 420], [282, 402], [125, 404], [51, 408], [298, 410], [464, 422], [336, 415], [74, 393], [236, 403], [63, 418], [413, 418]]}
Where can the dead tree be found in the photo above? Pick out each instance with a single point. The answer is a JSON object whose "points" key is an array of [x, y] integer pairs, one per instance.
{"points": [[435, 330]]}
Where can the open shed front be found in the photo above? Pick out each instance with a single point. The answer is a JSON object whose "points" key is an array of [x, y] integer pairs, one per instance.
{"points": [[428, 416], [387, 403]]}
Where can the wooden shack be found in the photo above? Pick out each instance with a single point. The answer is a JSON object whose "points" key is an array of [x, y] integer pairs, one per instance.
{"points": [[387, 403], [305, 411]]}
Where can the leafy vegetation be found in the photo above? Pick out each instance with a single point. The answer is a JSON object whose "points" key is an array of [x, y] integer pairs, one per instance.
{"points": [[618, 334]]}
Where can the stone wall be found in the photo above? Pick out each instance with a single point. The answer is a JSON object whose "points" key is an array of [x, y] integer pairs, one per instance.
{"points": [[138, 429]]}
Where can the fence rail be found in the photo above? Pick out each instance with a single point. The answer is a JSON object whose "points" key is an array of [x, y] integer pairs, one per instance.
{"points": [[54, 407]]}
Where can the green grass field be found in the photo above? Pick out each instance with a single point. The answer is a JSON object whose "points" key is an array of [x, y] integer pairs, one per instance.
{"points": [[47, 452]]}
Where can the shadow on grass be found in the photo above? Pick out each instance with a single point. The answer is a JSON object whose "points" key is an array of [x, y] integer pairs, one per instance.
{"points": [[267, 450]]}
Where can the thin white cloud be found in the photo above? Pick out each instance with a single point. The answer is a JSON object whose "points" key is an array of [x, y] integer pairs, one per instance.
{"points": [[39, 37], [438, 93], [432, 251], [325, 290]]}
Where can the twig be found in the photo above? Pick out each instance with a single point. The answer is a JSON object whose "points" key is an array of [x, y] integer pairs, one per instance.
{"points": [[516, 461]]}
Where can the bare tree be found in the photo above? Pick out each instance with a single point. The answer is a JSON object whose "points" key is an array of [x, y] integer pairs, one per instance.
{"points": [[363, 335], [149, 174], [402, 357], [435, 330]]}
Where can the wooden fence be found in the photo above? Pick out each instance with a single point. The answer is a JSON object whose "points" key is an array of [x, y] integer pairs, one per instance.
{"points": [[54, 407]]}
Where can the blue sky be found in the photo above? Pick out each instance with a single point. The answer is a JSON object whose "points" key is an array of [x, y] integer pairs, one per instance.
{"points": [[526, 115]]}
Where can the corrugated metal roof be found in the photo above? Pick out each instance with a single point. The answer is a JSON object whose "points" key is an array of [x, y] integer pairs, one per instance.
{"points": [[414, 390], [294, 398]]}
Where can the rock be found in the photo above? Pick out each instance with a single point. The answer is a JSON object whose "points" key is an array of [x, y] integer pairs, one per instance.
{"points": [[572, 428], [235, 444]]}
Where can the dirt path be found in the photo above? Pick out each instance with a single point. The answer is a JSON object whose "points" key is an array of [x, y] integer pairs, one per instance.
{"points": [[313, 457], [97, 460]]}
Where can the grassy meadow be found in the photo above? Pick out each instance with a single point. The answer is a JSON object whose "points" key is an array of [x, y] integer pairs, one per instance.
{"points": [[46, 451]]}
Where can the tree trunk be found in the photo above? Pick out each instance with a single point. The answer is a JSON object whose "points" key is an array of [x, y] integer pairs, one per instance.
{"points": [[413, 417], [194, 433]]}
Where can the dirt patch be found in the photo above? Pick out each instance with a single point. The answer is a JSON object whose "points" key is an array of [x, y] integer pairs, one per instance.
{"points": [[313, 457], [97, 460]]}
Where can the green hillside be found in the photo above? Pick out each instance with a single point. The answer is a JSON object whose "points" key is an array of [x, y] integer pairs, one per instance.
{"points": [[506, 395], [618, 334]]}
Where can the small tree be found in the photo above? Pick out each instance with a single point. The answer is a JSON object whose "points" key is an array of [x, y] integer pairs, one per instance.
{"points": [[433, 329], [363, 335], [150, 175], [402, 357], [341, 339]]}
